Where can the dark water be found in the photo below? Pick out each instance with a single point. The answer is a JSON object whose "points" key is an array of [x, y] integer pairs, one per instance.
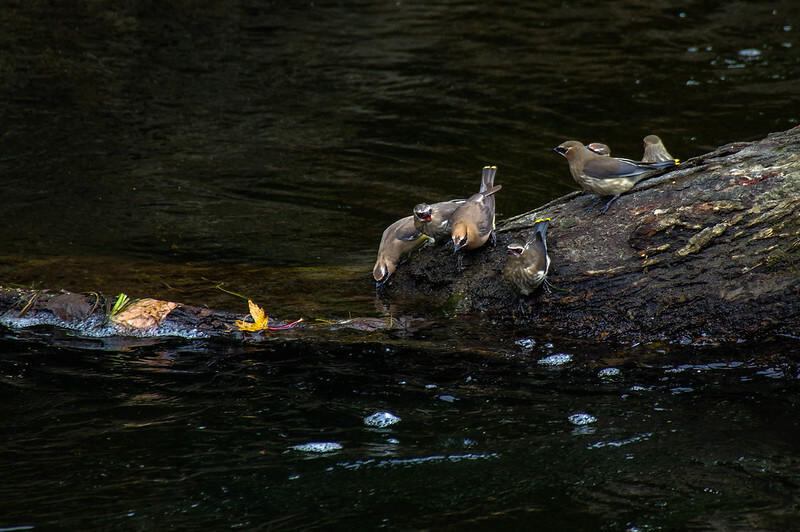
{"points": [[165, 148]]}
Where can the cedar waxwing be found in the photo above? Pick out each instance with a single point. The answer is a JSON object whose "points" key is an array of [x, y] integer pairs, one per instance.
{"points": [[599, 148], [398, 239], [473, 222], [654, 150], [434, 220], [605, 175], [528, 262]]}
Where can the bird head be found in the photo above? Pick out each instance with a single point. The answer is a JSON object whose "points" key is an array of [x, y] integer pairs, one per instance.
{"points": [[423, 212], [569, 149], [383, 269], [515, 249], [459, 235]]}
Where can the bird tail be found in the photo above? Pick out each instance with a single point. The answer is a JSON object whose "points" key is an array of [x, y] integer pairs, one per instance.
{"points": [[664, 164], [540, 234], [487, 177], [540, 227]]}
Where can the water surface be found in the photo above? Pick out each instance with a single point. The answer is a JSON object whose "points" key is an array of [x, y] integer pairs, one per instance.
{"points": [[165, 149]]}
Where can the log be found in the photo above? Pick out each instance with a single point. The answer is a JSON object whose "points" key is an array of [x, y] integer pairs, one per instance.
{"points": [[707, 252], [147, 320]]}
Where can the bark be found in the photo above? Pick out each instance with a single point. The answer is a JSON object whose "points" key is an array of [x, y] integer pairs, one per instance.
{"points": [[710, 250]]}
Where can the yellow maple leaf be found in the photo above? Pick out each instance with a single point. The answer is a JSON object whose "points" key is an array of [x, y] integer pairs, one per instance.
{"points": [[260, 319]]}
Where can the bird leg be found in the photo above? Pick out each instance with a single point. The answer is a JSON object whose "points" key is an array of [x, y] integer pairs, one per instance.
{"points": [[593, 204], [605, 207], [459, 258], [493, 238]]}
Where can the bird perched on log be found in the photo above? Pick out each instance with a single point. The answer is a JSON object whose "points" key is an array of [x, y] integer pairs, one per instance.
{"points": [[398, 239], [472, 224], [434, 220], [606, 175], [655, 151], [528, 262]]}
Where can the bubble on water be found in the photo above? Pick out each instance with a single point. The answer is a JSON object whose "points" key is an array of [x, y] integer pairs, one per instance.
{"points": [[318, 447], [526, 343], [559, 359], [381, 419], [750, 52], [609, 373], [692, 83], [582, 418], [448, 398]]}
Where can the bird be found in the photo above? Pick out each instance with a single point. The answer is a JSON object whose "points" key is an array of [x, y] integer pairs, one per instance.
{"points": [[654, 150], [599, 148], [398, 239], [528, 261], [472, 224], [434, 220], [606, 175]]}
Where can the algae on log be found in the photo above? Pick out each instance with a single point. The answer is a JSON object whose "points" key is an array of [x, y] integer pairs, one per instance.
{"points": [[709, 250]]}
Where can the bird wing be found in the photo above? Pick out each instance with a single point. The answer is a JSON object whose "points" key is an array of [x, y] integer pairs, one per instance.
{"points": [[407, 233], [486, 220], [447, 208], [611, 167]]}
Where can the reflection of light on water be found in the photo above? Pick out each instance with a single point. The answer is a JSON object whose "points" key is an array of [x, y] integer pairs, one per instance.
{"points": [[620, 443], [402, 462]]}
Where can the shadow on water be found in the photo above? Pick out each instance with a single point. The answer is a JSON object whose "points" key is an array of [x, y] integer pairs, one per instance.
{"points": [[163, 149]]}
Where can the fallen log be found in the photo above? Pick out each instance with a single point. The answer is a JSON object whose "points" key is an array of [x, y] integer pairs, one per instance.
{"points": [[708, 251], [146, 320]]}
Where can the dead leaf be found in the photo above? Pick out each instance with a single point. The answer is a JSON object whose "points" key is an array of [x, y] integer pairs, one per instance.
{"points": [[69, 306], [260, 319], [144, 313]]}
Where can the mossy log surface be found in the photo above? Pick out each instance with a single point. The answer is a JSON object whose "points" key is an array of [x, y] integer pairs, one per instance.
{"points": [[710, 250]]}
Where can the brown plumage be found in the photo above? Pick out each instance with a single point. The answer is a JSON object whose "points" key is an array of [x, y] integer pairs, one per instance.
{"points": [[434, 220], [654, 150], [473, 222], [398, 239], [528, 262], [606, 175]]}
